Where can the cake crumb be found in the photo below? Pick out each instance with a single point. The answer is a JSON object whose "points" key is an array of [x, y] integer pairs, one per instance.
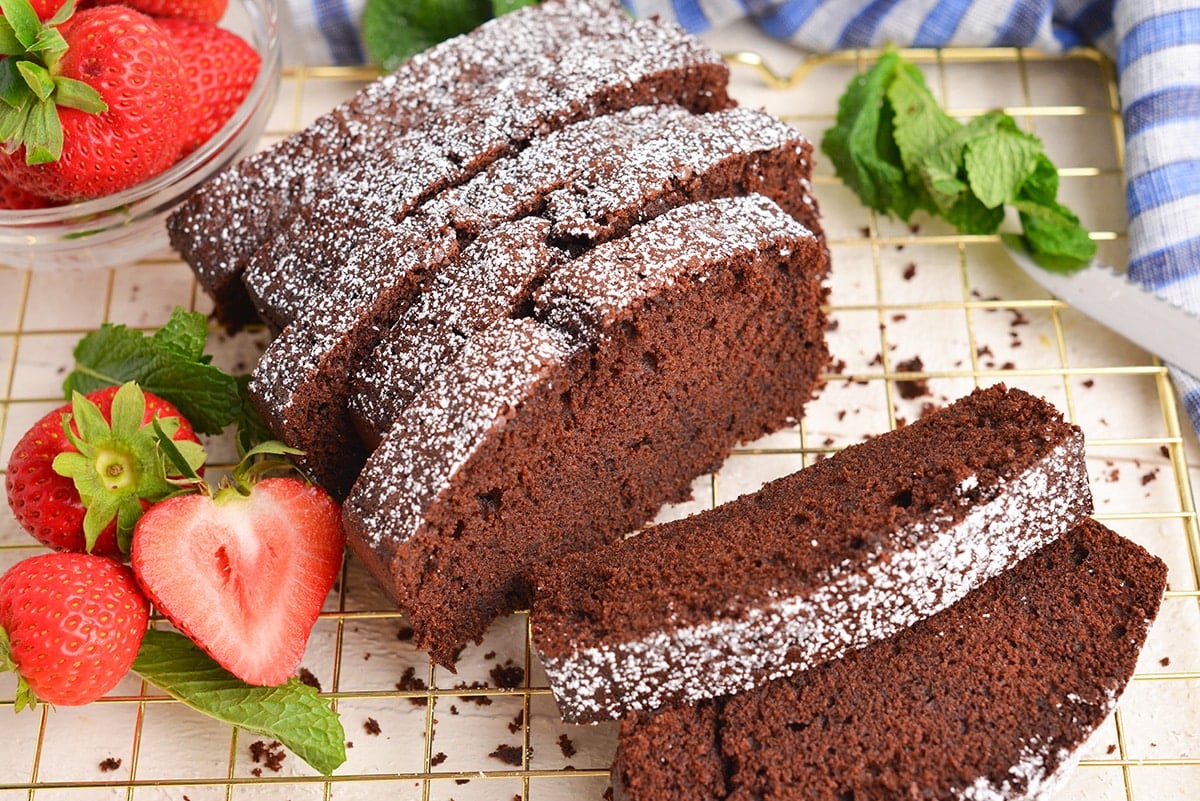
{"points": [[438, 758], [110, 764], [509, 675], [910, 271], [405, 633], [912, 388], [306, 677], [1151, 476], [1165, 661], [409, 682], [371, 726], [517, 723], [269, 755], [1089, 383], [508, 754], [566, 746]]}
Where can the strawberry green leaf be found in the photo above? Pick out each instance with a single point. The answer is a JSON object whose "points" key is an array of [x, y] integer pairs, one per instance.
{"points": [[128, 409], [62, 15], [49, 46], [43, 133], [25, 696], [23, 19], [77, 94], [9, 44], [37, 78], [292, 713], [12, 122], [182, 464]]}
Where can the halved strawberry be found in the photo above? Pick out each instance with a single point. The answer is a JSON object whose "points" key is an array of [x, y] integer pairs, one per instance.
{"points": [[15, 198], [81, 476], [243, 573]]}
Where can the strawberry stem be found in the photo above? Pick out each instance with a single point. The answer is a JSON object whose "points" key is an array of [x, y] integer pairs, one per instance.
{"points": [[25, 696]]}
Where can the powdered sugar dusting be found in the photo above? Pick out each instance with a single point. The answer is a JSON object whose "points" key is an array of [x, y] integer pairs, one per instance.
{"points": [[440, 430], [455, 108], [855, 606]]}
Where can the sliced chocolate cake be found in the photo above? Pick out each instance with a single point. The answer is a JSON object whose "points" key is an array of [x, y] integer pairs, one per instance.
{"points": [[303, 382], [699, 329], [828, 559], [582, 180], [452, 110], [632, 165], [994, 698]]}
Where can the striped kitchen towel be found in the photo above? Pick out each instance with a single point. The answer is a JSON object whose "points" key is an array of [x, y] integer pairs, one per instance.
{"points": [[1154, 43]]}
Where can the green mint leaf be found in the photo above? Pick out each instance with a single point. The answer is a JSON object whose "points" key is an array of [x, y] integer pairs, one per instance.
{"points": [[920, 123], [1054, 236], [396, 30], [1041, 187], [502, 7], [862, 147], [185, 334], [205, 395], [292, 713], [970, 216], [998, 165]]}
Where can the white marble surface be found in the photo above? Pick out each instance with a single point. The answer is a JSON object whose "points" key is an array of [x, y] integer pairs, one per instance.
{"points": [[968, 314]]}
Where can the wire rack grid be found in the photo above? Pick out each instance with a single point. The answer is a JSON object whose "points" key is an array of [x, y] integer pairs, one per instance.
{"points": [[918, 316]]}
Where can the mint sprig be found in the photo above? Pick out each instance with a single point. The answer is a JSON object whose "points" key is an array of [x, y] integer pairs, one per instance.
{"points": [[170, 363], [396, 30], [292, 713], [896, 148]]}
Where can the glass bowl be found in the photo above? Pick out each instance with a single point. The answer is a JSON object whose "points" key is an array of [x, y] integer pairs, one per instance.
{"points": [[129, 225]]}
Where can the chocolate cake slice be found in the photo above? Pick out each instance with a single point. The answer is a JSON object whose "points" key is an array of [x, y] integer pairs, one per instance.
{"points": [[830, 558], [303, 381], [657, 157], [993, 698], [700, 329], [451, 110], [582, 179]]}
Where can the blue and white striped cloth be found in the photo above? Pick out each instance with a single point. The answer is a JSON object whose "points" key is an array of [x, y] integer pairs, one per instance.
{"points": [[1155, 44]]}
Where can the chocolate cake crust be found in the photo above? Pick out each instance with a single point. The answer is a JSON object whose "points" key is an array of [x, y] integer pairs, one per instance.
{"points": [[992, 699]]}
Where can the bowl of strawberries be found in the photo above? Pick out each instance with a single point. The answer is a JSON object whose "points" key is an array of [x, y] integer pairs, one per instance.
{"points": [[114, 111]]}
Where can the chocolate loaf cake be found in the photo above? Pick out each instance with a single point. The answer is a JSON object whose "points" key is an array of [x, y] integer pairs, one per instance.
{"points": [[659, 156], [828, 559], [699, 329], [993, 698], [439, 119], [635, 165], [303, 381]]}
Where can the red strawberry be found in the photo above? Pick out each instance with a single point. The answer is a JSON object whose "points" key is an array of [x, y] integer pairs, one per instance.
{"points": [[118, 469], [220, 68], [243, 575], [199, 10], [16, 198], [44, 9], [106, 96], [70, 625]]}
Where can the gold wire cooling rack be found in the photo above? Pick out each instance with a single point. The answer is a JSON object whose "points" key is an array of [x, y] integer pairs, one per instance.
{"points": [[919, 316]]}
